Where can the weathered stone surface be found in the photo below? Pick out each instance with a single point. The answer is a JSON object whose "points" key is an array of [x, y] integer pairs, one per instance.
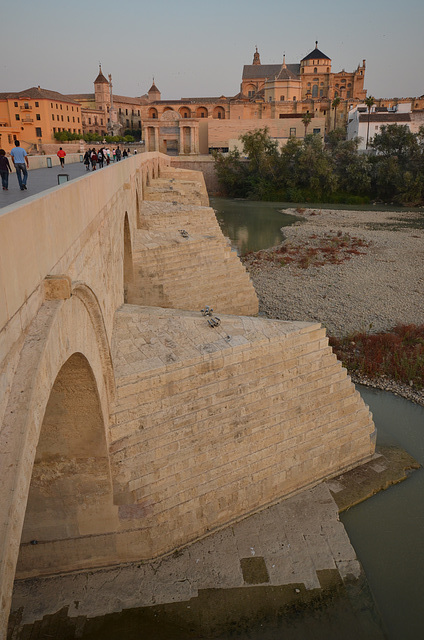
{"points": [[129, 431]]}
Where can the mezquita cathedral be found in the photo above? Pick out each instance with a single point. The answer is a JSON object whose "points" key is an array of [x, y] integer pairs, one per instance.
{"points": [[273, 95], [276, 96]]}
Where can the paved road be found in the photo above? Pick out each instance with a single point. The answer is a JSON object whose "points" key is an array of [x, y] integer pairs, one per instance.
{"points": [[39, 180]]}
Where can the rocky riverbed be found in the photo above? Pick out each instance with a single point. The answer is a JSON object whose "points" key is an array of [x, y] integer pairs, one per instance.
{"points": [[350, 270]]}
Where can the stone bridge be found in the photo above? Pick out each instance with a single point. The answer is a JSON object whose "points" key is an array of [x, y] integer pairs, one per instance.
{"points": [[130, 426]]}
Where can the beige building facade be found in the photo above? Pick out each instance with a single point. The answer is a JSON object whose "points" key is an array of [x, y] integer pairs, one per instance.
{"points": [[34, 115]]}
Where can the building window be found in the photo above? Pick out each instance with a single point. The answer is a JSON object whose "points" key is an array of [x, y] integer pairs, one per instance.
{"points": [[139, 124], [16, 104], [61, 107], [72, 110], [37, 116], [316, 131], [128, 124], [315, 70], [119, 110], [17, 117], [38, 132], [78, 120], [294, 98], [57, 117], [68, 119], [54, 129], [53, 116], [281, 98], [67, 108], [138, 112], [315, 91], [126, 112], [62, 118], [89, 120], [292, 132], [101, 121], [73, 118]]}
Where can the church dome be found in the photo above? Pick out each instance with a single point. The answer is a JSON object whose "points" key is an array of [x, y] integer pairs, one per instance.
{"points": [[316, 54]]}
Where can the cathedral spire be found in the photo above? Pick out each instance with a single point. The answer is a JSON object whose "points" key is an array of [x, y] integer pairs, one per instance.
{"points": [[256, 57]]}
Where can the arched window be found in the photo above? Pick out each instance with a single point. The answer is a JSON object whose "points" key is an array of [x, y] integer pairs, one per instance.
{"points": [[315, 70], [219, 113], [185, 112], [315, 91]]}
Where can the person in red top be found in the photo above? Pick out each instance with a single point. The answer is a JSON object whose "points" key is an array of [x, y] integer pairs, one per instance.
{"points": [[61, 155]]}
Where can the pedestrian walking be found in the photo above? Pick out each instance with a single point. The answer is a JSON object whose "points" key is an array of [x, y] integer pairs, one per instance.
{"points": [[107, 156], [118, 154], [114, 154], [100, 157], [5, 169], [21, 164], [61, 155], [93, 159], [125, 154], [87, 155]]}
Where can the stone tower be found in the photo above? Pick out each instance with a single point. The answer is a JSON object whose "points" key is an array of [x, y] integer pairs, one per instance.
{"points": [[101, 91], [315, 73], [256, 57], [154, 93]]}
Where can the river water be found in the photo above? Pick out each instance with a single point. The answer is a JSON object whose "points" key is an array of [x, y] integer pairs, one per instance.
{"points": [[252, 225], [387, 531]]}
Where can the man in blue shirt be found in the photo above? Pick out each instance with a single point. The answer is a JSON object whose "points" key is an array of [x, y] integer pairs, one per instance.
{"points": [[20, 160]]}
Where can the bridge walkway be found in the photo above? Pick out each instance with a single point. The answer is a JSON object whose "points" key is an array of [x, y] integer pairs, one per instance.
{"points": [[40, 180]]}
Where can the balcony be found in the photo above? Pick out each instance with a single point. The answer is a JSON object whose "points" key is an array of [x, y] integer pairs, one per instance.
{"points": [[27, 120], [25, 107]]}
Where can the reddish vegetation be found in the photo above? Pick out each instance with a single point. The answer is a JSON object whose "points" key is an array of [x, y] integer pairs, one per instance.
{"points": [[398, 354], [331, 248]]}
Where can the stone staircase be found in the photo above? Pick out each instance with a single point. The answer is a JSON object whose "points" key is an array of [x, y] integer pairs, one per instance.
{"points": [[180, 256], [212, 424]]}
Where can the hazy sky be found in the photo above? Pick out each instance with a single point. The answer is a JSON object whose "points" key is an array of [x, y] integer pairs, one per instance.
{"points": [[198, 48]]}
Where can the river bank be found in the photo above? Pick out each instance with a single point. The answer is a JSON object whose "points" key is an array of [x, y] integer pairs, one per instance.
{"points": [[350, 270]]}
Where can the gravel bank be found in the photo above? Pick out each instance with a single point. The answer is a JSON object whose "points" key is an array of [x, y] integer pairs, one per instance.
{"points": [[374, 291]]}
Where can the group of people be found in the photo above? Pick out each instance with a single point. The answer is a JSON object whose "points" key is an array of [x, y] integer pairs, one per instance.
{"points": [[20, 162], [103, 155]]}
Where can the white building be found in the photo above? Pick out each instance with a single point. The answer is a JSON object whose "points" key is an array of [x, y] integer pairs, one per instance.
{"points": [[358, 119]]}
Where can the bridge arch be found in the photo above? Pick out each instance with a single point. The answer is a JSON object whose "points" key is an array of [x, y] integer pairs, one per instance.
{"points": [[65, 363]]}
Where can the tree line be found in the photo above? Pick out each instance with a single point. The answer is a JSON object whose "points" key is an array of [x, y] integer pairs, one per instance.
{"points": [[336, 172]]}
